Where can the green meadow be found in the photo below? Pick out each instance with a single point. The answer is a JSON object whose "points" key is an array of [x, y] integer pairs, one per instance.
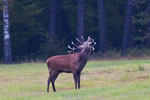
{"points": [[100, 80]]}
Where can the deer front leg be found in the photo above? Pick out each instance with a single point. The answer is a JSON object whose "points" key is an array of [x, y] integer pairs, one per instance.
{"points": [[75, 79], [49, 80], [79, 80]]}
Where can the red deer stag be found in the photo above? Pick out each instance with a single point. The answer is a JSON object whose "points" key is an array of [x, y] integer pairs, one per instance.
{"points": [[71, 63]]}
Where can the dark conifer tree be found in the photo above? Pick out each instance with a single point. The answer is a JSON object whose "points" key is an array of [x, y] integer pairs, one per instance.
{"points": [[127, 27], [81, 18], [53, 9], [102, 26]]}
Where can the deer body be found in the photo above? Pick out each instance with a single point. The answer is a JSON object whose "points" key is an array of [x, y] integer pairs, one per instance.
{"points": [[71, 63], [67, 63]]}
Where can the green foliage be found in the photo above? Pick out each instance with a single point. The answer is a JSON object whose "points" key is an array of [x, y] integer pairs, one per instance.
{"points": [[27, 32], [140, 68], [111, 54], [115, 18], [141, 19], [138, 52], [116, 54], [52, 47], [29, 28]]}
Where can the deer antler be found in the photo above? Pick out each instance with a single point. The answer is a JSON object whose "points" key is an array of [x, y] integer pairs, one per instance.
{"points": [[92, 40], [74, 44], [94, 43], [89, 38], [72, 49], [82, 38], [79, 41], [93, 48], [77, 47], [82, 45]]}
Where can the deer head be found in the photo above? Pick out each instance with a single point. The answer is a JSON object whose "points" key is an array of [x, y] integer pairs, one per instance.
{"points": [[87, 45]]}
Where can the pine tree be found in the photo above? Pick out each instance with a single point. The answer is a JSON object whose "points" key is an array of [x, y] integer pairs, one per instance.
{"points": [[81, 18], [127, 27], [102, 26]]}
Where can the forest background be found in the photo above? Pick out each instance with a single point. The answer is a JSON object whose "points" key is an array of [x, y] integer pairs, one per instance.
{"points": [[43, 28]]}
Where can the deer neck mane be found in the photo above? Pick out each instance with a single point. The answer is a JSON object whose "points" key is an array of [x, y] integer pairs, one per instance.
{"points": [[83, 57], [85, 52]]}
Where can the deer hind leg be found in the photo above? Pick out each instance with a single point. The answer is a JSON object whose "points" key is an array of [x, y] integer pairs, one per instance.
{"points": [[75, 79], [48, 81], [53, 80]]}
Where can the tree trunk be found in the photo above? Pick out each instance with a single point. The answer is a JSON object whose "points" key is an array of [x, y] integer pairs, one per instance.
{"points": [[102, 26], [7, 43], [53, 8], [65, 22], [81, 18], [131, 37], [127, 27]]}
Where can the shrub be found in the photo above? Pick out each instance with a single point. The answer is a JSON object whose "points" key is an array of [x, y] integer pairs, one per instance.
{"points": [[141, 68], [51, 48], [116, 54]]}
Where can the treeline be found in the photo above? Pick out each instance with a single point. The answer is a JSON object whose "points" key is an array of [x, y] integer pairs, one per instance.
{"points": [[42, 28]]}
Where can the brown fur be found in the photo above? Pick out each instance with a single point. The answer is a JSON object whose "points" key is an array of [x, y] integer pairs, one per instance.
{"points": [[71, 63], [64, 62]]}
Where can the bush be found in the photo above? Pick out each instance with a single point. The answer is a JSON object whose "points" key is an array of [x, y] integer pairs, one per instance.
{"points": [[144, 52], [116, 54], [108, 55], [51, 48], [141, 68]]}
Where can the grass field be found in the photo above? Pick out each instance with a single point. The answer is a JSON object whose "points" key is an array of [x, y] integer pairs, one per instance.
{"points": [[100, 80]]}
